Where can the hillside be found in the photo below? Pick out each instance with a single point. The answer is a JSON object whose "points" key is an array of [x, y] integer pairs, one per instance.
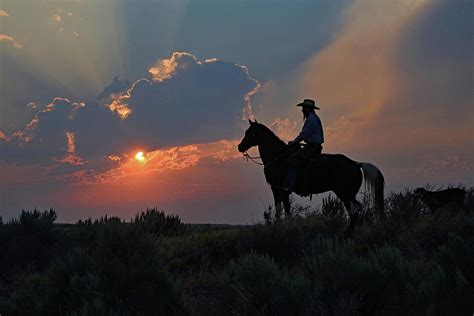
{"points": [[415, 262]]}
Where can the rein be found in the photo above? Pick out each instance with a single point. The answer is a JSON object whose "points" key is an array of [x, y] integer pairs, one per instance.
{"points": [[253, 159], [248, 157]]}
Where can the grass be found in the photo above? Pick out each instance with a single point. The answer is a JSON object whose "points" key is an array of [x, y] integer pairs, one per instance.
{"points": [[414, 263]]}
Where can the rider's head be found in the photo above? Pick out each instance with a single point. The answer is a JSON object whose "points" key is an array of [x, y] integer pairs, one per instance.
{"points": [[307, 106]]}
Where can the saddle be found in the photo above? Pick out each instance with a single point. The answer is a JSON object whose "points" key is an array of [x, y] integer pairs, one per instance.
{"points": [[309, 164]]}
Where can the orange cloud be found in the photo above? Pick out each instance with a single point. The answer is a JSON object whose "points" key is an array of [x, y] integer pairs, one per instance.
{"points": [[247, 112], [119, 101], [11, 40], [23, 136], [114, 158], [167, 67], [156, 162], [121, 109], [284, 128], [71, 157], [55, 18], [4, 137]]}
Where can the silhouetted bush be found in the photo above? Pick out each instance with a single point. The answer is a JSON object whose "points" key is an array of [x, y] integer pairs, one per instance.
{"points": [[381, 281], [36, 220], [120, 272], [186, 253], [29, 241], [403, 208], [415, 263], [333, 213], [158, 223], [261, 288]]}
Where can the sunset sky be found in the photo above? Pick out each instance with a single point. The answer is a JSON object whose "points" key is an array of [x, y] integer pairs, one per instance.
{"points": [[87, 85]]}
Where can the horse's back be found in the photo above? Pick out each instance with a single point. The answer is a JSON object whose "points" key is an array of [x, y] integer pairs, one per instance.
{"points": [[341, 166], [339, 159]]}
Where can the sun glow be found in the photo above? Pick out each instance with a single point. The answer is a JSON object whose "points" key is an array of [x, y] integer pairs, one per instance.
{"points": [[140, 157]]}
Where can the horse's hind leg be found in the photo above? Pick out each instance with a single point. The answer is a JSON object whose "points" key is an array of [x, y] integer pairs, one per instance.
{"points": [[278, 199], [353, 208]]}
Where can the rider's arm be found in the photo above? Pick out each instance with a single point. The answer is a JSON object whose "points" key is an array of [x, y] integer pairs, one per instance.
{"points": [[305, 132]]}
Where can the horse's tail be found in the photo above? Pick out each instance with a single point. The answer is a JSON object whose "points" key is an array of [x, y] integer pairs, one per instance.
{"points": [[374, 182]]}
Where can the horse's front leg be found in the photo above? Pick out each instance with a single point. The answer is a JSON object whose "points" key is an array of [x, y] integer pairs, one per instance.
{"points": [[277, 196]]}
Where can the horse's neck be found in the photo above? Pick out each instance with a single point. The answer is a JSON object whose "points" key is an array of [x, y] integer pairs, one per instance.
{"points": [[270, 149]]}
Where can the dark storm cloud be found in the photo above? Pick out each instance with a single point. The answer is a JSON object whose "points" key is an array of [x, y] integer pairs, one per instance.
{"points": [[182, 100], [44, 137], [189, 101], [118, 85]]}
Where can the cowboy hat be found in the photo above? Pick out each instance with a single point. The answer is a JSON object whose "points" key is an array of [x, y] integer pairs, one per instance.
{"points": [[308, 103]]}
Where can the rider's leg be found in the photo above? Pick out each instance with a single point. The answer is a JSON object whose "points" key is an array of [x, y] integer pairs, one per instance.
{"points": [[292, 175]]}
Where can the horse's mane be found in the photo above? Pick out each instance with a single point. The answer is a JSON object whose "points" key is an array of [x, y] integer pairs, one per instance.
{"points": [[271, 134]]}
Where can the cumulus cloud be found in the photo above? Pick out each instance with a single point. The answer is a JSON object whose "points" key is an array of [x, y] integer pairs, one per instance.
{"points": [[118, 85], [184, 101], [179, 62], [180, 102], [44, 138], [11, 40], [3, 13]]}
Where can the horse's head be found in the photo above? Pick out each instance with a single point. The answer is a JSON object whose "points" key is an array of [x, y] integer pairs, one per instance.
{"points": [[251, 137]]}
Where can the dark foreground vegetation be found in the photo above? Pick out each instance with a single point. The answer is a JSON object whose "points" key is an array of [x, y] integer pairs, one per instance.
{"points": [[416, 263]]}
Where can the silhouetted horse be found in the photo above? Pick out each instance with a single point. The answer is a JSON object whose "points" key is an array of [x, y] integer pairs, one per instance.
{"points": [[335, 173], [455, 197]]}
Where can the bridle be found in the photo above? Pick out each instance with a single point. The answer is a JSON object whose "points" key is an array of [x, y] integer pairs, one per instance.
{"points": [[247, 157]]}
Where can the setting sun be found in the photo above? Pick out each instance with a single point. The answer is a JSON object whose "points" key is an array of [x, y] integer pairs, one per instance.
{"points": [[140, 157]]}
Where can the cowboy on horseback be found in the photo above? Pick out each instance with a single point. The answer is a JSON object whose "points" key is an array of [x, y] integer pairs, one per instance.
{"points": [[337, 173], [312, 135]]}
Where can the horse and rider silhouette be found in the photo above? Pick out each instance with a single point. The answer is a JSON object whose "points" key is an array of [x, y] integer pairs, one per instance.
{"points": [[289, 168]]}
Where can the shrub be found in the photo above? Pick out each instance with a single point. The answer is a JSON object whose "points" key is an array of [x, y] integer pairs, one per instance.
{"points": [[404, 208], [37, 219], [261, 288], [381, 281], [29, 241], [284, 240], [157, 223], [333, 213], [121, 271], [414, 263]]}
